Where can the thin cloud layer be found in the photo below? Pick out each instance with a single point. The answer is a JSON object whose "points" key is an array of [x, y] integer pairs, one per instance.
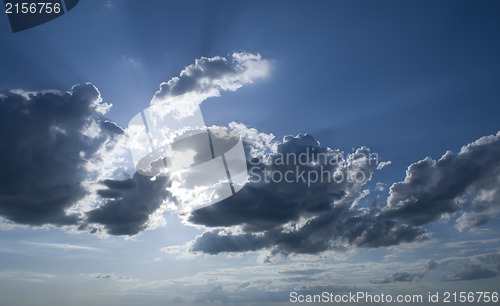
{"points": [[406, 276], [474, 267], [471, 273], [399, 277]]}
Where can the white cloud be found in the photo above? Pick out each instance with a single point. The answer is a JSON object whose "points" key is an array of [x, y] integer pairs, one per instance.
{"points": [[207, 78], [383, 164]]}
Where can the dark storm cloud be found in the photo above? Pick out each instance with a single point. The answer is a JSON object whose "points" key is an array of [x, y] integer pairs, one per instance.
{"points": [[298, 217], [433, 189], [46, 140], [128, 204], [263, 205], [335, 230], [341, 229]]}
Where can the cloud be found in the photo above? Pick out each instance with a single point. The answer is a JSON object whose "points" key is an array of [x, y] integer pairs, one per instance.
{"points": [[59, 154], [255, 284], [467, 182], [399, 277], [292, 204], [406, 276], [62, 246], [64, 162], [302, 272], [470, 220], [268, 200], [471, 243], [128, 204], [213, 242], [111, 277], [431, 265], [472, 267], [472, 272], [47, 140], [206, 78], [27, 276], [55, 149], [298, 217], [383, 164]]}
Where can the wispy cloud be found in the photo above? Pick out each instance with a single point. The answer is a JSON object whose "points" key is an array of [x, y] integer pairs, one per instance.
{"points": [[471, 243], [130, 61], [27, 276], [61, 246]]}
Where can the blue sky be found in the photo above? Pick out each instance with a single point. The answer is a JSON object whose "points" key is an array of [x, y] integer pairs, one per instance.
{"points": [[408, 80]]}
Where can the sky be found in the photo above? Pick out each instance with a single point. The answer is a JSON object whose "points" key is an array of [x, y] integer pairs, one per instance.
{"points": [[399, 99]]}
